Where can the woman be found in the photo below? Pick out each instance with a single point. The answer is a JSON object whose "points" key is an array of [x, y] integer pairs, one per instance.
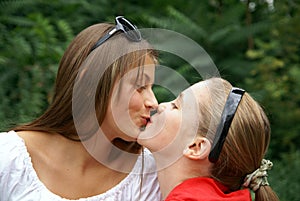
{"points": [[219, 135], [59, 156]]}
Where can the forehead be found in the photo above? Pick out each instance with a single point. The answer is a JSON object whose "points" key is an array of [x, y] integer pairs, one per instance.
{"points": [[192, 98], [141, 61], [197, 90], [145, 72], [189, 104]]}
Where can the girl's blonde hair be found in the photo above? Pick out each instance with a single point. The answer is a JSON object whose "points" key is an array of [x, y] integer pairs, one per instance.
{"points": [[247, 140]]}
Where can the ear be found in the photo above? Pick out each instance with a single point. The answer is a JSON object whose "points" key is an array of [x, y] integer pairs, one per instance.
{"points": [[199, 149]]}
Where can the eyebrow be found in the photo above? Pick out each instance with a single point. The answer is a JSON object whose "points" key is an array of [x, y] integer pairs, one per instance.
{"points": [[142, 77], [147, 78], [180, 98]]}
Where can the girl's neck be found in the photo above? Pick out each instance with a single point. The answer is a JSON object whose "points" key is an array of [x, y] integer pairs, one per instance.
{"points": [[179, 171], [172, 175], [168, 180]]}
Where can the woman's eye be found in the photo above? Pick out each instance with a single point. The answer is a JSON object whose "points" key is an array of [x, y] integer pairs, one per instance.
{"points": [[174, 106], [141, 88]]}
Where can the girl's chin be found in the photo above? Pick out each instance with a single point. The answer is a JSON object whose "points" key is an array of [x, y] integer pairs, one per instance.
{"points": [[150, 144], [144, 142], [147, 138], [142, 128]]}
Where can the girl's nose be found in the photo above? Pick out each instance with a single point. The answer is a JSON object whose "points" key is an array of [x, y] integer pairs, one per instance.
{"points": [[161, 107]]}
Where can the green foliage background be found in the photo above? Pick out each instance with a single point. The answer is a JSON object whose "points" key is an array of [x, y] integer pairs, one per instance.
{"points": [[257, 49]]}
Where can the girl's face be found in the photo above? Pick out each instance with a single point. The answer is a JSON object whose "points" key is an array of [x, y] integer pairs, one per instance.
{"points": [[175, 124], [131, 103]]}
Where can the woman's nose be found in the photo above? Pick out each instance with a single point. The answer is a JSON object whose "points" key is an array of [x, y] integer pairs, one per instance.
{"points": [[151, 101]]}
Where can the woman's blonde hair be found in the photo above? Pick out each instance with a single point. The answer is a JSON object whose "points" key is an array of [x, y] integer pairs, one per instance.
{"points": [[247, 140], [58, 118]]}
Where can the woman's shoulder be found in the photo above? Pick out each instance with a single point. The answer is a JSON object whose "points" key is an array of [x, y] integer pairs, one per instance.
{"points": [[15, 167], [10, 140], [10, 143], [8, 136], [13, 151]]}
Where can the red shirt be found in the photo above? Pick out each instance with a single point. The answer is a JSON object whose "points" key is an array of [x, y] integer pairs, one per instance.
{"points": [[206, 189]]}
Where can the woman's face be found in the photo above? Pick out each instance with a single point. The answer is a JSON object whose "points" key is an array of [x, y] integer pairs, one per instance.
{"points": [[131, 102], [175, 124]]}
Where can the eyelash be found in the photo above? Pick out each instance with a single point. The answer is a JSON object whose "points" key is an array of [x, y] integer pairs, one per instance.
{"points": [[141, 88], [174, 106]]}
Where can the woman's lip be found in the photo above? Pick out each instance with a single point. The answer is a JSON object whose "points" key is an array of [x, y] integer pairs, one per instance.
{"points": [[145, 120], [142, 128]]}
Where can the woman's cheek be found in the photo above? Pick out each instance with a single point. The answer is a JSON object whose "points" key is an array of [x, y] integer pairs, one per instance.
{"points": [[135, 103]]}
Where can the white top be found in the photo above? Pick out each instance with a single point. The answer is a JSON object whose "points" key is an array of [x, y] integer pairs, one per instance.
{"points": [[19, 181]]}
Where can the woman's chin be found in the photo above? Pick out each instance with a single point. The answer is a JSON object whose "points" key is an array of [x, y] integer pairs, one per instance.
{"points": [[129, 134]]}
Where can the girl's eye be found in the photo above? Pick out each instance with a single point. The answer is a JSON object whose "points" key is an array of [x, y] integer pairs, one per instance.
{"points": [[174, 106]]}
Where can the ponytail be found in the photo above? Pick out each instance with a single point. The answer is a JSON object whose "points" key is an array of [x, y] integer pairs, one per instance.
{"points": [[265, 193]]}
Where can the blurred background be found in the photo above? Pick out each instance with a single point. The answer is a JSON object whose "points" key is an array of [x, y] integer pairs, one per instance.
{"points": [[254, 43]]}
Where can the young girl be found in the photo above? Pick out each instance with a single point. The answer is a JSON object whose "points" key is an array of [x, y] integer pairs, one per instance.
{"points": [[209, 144]]}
